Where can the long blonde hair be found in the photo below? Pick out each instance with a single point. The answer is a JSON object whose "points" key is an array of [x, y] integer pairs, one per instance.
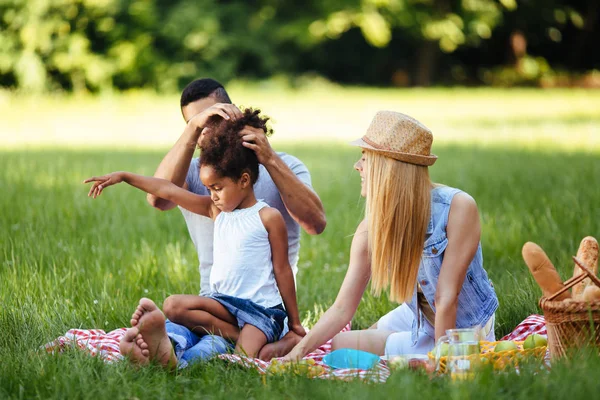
{"points": [[398, 211]]}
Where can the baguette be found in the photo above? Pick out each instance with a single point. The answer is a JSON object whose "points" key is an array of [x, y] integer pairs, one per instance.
{"points": [[587, 254], [591, 293], [543, 271]]}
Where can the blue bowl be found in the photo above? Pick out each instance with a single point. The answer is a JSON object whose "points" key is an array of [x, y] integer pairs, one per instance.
{"points": [[351, 358]]}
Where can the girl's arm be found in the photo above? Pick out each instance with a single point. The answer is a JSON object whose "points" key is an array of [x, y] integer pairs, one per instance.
{"points": [[347, 301], [463, 231], [275, 226], [161, 188]]}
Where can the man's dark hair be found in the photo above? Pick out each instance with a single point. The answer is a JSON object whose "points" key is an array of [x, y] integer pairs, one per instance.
{"points": [[201, 89], [222, 148]]}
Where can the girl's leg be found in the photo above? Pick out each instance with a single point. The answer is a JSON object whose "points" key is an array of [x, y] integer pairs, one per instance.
{"points": [[201, 315], [250, 341]]}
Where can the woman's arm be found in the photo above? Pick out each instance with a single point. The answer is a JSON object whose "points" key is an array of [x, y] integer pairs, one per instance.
{"points": [[347, 301], [161, 188], [463, 231], [275, 226]]}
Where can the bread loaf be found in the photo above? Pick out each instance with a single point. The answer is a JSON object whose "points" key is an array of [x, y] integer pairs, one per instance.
{"points": [[588, 255], [591, 293], [543, 271]]}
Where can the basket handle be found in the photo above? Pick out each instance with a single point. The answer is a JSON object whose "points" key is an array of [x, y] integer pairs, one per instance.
{"points": [[576, 279], [587, 270]]}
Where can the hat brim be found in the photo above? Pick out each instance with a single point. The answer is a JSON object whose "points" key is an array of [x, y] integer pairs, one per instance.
{"points": [[396, 155]]}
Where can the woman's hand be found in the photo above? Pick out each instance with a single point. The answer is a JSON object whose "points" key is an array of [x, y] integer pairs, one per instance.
{"points": [[100, 182], [293, 356]]}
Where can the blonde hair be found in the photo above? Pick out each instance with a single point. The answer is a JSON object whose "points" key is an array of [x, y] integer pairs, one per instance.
{"points": [[398, 212]]}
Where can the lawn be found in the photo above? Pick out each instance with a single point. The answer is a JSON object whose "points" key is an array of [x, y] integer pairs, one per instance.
{"points": [[529, 158]]}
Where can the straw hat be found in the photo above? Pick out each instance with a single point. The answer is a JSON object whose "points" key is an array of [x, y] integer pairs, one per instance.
{"points": [[400, 137]]}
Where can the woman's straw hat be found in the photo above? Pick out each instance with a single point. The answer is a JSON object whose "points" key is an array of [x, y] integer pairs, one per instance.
{"points": [[400, 137]]}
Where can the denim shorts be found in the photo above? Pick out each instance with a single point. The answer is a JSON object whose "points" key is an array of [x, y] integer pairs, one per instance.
{"points": [[269, 320]]}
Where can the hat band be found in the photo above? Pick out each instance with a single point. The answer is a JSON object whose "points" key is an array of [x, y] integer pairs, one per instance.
{"points": [[383, 148], [377, 146]]}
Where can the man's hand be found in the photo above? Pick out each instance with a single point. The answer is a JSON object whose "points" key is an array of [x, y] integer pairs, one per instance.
{"points": [[228, 112], [100, 182], [255, 139], [298, 329]]}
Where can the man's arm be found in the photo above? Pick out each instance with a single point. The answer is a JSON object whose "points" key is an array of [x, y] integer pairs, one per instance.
{"points": [[174, 166], [303, 204], [275, 226]]}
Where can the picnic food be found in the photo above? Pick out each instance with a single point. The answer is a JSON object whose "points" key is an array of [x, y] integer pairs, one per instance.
{"points": [[587, 254], [571, 309], [543, 271], [305, 367], [591, 293], [505, 345], [535, 340], [410, 361], [498, 354]]}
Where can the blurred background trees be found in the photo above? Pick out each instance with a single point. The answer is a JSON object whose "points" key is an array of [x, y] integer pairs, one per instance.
{"points": [[100, 45]]}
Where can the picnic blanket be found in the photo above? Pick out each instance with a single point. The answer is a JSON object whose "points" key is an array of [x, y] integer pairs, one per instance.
{"points": [[98, 343]]}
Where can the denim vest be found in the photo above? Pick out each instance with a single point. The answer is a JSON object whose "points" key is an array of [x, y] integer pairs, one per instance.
{"points": [[477, 299]]}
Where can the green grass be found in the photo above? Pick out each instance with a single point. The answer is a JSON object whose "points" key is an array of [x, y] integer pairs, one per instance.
{"points": [[68, 261]]}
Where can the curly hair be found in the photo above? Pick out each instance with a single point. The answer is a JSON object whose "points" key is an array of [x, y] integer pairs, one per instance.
{"points": [[222, 148]]}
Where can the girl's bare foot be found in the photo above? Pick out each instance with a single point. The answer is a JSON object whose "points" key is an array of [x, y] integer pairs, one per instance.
{"points": [[150, 322], [140, 310], [132, 345], [279, 348]]}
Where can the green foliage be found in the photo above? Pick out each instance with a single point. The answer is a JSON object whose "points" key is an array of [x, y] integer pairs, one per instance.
{"points": [[450, 24], [98, 45]]}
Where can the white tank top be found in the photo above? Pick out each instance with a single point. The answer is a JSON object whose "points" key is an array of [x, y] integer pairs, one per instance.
{"points": [[242, 264]]}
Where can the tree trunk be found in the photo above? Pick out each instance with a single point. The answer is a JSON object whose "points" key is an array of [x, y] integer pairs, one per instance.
{"points": [[426, 63], [582, 37]]}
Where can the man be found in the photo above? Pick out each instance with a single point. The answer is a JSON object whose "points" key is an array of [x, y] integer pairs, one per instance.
{"points": [[284, 183]]}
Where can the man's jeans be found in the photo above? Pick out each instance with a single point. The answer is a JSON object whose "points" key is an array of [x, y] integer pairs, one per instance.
{"points": [[190, 348]]}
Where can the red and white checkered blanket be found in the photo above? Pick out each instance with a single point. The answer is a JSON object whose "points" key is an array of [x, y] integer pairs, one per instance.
{"points": [[532, 324], [94, 341], [106, 346]]}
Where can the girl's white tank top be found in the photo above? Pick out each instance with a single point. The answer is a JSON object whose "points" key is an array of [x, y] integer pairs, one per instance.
{"points": [[242, 264]]}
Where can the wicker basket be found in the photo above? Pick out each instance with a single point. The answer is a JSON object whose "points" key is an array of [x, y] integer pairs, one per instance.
{"points": [[500, 360], [569, 323]]}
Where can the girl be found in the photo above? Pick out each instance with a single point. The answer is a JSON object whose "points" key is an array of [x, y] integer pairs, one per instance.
{"points": [[419, 240], [251, 276]]}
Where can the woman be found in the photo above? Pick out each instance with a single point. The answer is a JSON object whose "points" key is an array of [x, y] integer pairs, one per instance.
{"points": [[420, 241]]}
